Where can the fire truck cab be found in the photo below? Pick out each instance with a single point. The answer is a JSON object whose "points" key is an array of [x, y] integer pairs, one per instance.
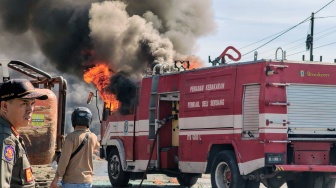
{"points": [[264, 121]]}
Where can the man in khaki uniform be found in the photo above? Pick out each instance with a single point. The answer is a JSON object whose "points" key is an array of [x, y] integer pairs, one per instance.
{"points": [[76, 169], [17, 99]]}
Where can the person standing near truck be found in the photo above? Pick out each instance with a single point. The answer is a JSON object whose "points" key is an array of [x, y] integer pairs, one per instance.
{"points": [[75, 165], [17, 99]]}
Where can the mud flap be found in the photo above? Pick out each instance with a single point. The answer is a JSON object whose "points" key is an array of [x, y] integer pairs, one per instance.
{"points": [[101, 153]]}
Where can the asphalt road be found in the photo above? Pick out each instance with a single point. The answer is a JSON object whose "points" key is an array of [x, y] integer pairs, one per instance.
{"points": [[101, 179]]}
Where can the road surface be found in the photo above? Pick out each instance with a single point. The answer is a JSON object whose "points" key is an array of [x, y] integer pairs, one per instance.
{"points": [[101, 179]]}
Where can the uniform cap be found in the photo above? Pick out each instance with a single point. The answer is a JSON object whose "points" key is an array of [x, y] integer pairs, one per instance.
{"points": [[19, 88]]}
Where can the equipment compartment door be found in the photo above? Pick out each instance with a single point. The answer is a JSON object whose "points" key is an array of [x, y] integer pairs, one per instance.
{"points": [[311, 110], [251, 111]]}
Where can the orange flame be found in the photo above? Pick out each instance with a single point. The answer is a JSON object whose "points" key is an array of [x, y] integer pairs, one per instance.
{"points": [[195, 63], [100, 76]]}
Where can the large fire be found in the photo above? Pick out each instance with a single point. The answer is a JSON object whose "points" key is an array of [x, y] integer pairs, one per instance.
{"points": [[195, 63], [100, 76], [189, 63]]}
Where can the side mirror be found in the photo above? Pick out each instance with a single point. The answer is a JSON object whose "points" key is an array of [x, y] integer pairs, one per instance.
{"points": [[89, 100], [106, 113]]}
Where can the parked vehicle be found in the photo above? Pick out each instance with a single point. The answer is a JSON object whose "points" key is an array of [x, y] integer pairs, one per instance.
{"points": [[269, 121]]}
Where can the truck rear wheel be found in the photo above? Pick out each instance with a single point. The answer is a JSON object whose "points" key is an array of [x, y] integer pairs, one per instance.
{"points": [[187, 180], [329, 183], [118, 177], [225, 172], [311, 180]]}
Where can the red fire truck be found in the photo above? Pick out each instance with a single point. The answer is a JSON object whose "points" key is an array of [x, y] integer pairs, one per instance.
{"points": [[245, 123]]}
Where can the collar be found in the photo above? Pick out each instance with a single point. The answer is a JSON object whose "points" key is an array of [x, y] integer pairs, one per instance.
{"points": [[8, 126], [81, 128], [15, 132]]}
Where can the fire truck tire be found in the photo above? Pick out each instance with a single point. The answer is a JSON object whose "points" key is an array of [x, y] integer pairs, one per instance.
{"points": [[187, 180], [225, 172], [310, 180], [117, 176], [328, 182]]}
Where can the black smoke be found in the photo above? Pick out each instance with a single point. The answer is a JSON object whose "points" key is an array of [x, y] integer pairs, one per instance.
{"points": [[60, 29], [129, 35], [125, 91], [66, 37]]}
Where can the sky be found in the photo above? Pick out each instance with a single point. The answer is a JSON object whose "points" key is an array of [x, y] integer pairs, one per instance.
{"points": [[241, 23]]}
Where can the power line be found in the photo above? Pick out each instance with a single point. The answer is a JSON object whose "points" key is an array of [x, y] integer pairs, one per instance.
{"points": [[262, 40], [314, 48], [326, 17], [324, 6], [304, 38], [316, 39], [285, 31], [327, 34], [298, 46], [279, 35], [274, 35], [325, 45]]}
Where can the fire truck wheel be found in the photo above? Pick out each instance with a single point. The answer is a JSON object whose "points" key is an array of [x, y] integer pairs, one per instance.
{"points": [[311, 180], [329, 183], [225, 172], [187, 180], [325, 181], [117, 176]]}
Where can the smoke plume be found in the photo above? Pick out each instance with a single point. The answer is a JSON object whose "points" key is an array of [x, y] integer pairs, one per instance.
{"points": [[128, 35], [67, 37], [125, 91]]}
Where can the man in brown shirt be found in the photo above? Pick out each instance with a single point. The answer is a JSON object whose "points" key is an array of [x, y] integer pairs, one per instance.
{"points": [[77, 171], [17, 99]]}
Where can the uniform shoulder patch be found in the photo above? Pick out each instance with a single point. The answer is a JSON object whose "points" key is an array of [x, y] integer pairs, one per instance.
{"points": [[9, 152]]}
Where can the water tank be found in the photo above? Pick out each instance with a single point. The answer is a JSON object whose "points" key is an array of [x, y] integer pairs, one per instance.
{"points": [[40, 136]]}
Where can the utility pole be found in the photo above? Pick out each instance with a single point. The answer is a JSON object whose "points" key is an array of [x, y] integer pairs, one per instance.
{"points": [[312, 37]]}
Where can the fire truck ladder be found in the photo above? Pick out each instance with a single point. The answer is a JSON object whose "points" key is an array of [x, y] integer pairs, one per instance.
{"points": [[152, 106], [24, 68]]}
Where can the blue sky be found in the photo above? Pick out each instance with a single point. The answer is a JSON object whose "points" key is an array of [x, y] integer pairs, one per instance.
{"points": [[241, 23]]}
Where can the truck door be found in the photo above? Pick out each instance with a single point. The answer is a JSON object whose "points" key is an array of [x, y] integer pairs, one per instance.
{"points": [[206, 110], [126, 127], [122, 126]]}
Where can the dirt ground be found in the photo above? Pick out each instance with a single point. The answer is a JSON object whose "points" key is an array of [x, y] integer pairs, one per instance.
{"points": [[43, 175]]}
